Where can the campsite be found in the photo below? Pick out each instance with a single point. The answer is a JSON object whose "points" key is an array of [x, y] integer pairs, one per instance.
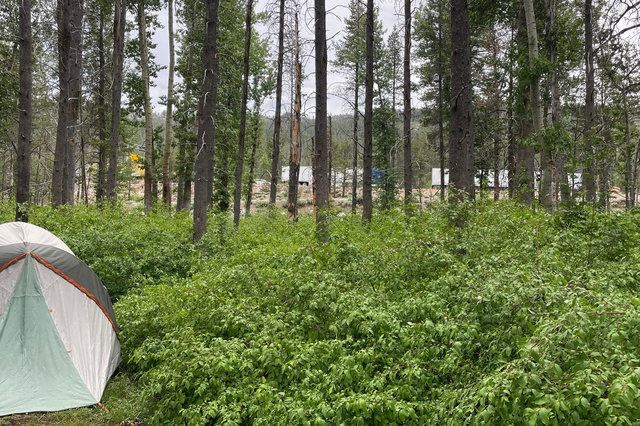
{"points": [[312, 212], [388, 322]]}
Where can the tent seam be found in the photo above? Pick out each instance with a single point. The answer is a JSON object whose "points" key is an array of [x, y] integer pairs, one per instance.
{"points": [[12, 261], [72, 282]]}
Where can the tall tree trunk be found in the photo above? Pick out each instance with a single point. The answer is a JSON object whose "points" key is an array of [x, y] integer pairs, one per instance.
{"points": [[461, 166], [58, 193], [367, 193], [588, 173], [628, 154], [322, 181], [294, 155], [330, 160], [83, 171], [406, 91], [168, 140], [189, 167], [496, 114], [207, 123], [560, 172], [237, 199], [546, 198], [634, 174], [511, 143], [148, 123], [23, 160], [119, 23], [441, 148], [102, 113], [252, 158], [75, 97], [356, 118], [275, 158], [524, 182]]}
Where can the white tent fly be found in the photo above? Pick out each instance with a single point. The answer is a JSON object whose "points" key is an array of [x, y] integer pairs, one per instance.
{"points": [[58, 336]]}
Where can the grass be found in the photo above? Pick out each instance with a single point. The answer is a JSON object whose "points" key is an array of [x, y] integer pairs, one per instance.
{"points": [[121, 399]]}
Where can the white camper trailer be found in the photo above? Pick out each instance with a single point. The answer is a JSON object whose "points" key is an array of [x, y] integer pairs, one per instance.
{"points": [[305, 175]]}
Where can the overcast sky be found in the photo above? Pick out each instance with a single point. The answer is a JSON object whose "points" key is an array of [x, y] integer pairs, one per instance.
{"points": [[389, 11]]}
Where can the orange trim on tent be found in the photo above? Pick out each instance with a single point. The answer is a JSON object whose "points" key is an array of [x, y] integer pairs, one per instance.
{"points": [[11, 262], [75, 284]]}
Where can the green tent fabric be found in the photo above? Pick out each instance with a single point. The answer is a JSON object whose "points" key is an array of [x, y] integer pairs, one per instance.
{"points": [[37, 372]]}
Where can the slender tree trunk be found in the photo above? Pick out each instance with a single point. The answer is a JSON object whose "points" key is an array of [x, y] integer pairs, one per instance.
{"points": [[461, 166], [168, 140], [102, 116], [58, 194], [252, 158], [511, 145], [562, 178], [546, 198], [189, 167], [237, 199], [23, 151], [119, 23], [496, 116], [588, 174], [148, 123], [278, 119], [207, 124], [406, 91], [628, 154], [321, 153], [294, 157], [367, 194], [441, 147], [634, 174], [356, 118], [75, 97], [83, 171], [525, 185], [330, 160]]}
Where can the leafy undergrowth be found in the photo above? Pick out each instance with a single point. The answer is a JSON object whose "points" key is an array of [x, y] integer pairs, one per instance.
{"points": [[521, 318], [125, 249]]}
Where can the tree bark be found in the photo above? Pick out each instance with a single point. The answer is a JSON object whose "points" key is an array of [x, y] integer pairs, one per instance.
{"points": [[23, 160], [75, 98], [294, 155], [332, 190], [58, 193], [546, 197], [408, 173], [207, 123], [168, 140], [628, 155], [525, 155], [102, 118], [356, 118], [321, 153], [441, 146], [252, 158], [275, 158], [237, 199], [148, 123], [119, 23], [588, 173], [496, 116], [367, 193], [461, 166]]}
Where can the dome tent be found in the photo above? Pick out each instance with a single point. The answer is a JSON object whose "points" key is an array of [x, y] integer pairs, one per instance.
{"points": [[58, 336]]}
